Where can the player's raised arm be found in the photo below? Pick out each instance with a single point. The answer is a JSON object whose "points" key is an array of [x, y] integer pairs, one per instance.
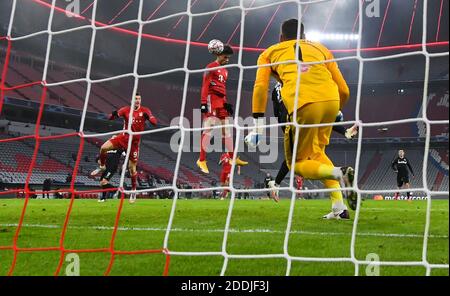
{"points": [[117, 113], [261, 87], [344, 91], [149, 116]]}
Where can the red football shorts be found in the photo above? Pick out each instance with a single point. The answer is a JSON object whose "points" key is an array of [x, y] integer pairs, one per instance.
{"points": [[224, 177], [215, 103], [121, 141], [220, 113]]}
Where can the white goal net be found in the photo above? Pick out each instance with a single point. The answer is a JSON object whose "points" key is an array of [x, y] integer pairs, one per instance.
{"points": [[244, 8]]}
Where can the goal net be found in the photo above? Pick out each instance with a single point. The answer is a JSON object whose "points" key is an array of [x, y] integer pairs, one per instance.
{"points": [[192, 44]]}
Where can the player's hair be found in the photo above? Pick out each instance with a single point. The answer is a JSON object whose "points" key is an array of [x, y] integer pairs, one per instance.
{"points": [[138, 94], [227, 50], [289, 29]]}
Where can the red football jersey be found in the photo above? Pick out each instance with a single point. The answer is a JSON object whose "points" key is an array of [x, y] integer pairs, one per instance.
{"points": [[139, 117], [214, 86], [225, 161], [299, 181]]}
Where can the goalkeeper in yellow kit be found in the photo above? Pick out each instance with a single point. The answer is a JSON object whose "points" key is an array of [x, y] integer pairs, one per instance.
{"points": [[322, 93]]}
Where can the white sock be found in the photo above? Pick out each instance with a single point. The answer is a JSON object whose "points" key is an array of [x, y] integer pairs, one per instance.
{"points": [[337, 173], [338, 206]]}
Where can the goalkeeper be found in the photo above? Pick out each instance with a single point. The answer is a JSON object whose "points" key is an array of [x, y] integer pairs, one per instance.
{"points": [[281, 114], [323, 93]]}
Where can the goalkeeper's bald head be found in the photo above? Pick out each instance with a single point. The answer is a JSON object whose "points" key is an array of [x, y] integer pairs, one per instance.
{"points": [[289, 30]]}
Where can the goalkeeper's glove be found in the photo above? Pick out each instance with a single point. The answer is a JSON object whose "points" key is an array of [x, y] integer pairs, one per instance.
{"points": [[229, 108], [253, 139], [204, 108]]}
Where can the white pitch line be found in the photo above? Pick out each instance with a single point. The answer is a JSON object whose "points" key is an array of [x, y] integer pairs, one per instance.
{"points": [[231, 231]]}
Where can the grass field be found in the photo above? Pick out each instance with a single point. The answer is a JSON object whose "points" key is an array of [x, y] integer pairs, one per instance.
{"points": [[392, 229]]}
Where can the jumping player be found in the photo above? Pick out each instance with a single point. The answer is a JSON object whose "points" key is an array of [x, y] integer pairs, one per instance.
{"points": [[225, 162], [281, 114], [215, 108], [401, 165], [112, 163], [323, 93], [140, 115]]}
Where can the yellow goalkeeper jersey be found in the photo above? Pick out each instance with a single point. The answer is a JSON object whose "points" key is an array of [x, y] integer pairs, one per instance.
{"points": [[318, 82]]}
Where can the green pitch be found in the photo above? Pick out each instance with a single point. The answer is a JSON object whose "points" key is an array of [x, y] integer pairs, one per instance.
{"points": [[391, 229]]}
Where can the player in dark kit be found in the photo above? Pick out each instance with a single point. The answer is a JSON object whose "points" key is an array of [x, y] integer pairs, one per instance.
{"points": [[281, 114], [113, 158], [402, 166], [215, 107], [140, 116], [267, 181]]}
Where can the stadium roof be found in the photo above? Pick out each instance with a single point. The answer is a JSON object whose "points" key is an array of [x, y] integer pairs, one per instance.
{"points": [[396, 28]]}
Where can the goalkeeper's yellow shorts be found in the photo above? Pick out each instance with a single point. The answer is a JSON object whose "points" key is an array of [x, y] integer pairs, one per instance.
{"points": [[312, 141]]}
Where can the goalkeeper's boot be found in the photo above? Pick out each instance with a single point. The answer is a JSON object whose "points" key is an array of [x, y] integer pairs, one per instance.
{"points": [[351, 132], [240, 162], [341, 215], [98, 171], [274, 191], [348, 175], [203, 166]]}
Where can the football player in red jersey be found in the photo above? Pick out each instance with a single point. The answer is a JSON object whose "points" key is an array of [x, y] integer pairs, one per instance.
{"points": [[298, 182], [215, 108], [140, 115], [225, 162]]}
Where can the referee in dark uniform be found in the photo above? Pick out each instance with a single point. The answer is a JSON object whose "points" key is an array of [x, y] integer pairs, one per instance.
{"points": [[402, 166], [112, 163]]}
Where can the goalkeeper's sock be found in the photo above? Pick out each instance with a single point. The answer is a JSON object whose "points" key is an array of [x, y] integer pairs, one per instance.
{"points": [[338, 206], [133, 181], [337, 200], [315, 170], [284, 170], [204, 143]]}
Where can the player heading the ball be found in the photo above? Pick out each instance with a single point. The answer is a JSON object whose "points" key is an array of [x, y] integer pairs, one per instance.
{"points": [[214, 105], [140, 115], [322, 93]]}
